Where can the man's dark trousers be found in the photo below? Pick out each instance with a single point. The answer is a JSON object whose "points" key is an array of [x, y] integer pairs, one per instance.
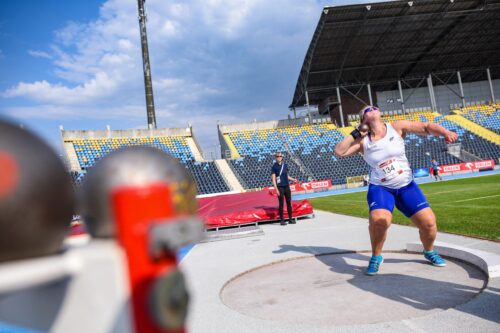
{"points": [[285, 192]]}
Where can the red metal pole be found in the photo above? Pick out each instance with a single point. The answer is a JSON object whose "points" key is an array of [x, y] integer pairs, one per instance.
{"points": [[136, 209]]}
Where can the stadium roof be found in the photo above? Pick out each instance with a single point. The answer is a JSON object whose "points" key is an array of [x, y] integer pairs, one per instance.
{"points": [[379, 43]]}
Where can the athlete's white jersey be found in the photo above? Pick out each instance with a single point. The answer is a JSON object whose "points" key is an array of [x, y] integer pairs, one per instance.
{"points": [[386, 157]]}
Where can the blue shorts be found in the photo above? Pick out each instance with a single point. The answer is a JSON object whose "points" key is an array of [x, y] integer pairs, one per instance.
{"points": [[408, 199]]}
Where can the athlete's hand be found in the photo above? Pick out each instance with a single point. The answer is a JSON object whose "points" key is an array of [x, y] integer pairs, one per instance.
{"points": [[450, 137]]}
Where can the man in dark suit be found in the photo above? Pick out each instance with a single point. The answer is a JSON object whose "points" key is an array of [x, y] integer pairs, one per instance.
{"points": [[281, 184]]}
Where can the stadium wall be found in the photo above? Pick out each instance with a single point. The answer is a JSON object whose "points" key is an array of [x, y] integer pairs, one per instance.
{"points": [[133, 133], [473, 91], [257, 125]]}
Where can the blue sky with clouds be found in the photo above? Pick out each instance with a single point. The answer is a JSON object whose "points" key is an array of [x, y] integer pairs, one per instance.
{"points": [[78, 63]]}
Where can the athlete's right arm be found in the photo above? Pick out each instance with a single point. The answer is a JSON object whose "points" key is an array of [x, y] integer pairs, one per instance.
{"points": [[349, 146]]}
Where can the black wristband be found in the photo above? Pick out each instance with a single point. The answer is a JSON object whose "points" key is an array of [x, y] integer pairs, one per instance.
{"points": [[356, 133]]}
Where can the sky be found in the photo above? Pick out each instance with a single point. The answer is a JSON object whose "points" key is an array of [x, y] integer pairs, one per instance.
{"points": [[79, 63]]}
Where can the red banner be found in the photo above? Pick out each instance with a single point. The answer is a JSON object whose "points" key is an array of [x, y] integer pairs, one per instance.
{"points": [[468, 166], [311, 186]]}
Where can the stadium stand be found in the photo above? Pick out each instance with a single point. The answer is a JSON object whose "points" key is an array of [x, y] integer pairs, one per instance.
{"points": [[420, 150], [308, 149], [471, 142], [345, 67], [257, 148], [89, 148], [314, 145], [475, 128], [207, 177], [487, 116], [89, 151], [417, 146], [358, 55]]}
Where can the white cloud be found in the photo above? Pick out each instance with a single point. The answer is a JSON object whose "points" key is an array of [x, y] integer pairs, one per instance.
{"points": [[62, 113], [226, 17], [125, 45], [39, 54], [169, 29], [43, 91], [210, 59], [100, 58]]}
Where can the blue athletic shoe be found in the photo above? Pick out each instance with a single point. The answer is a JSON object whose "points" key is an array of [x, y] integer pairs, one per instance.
{"points": [[434, 258], [374, 265]]}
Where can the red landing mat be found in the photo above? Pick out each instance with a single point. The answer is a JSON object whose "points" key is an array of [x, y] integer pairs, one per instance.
{"points": [[241, 208]]}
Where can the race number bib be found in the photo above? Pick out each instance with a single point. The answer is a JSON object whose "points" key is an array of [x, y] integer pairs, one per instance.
{"points": [[389, 169]]}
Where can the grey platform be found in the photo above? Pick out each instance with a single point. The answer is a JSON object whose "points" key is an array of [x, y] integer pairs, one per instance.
{"points": [[309, 277]]}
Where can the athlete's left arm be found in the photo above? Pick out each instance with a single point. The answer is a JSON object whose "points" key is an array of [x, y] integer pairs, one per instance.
{"points": [[423, 128]]}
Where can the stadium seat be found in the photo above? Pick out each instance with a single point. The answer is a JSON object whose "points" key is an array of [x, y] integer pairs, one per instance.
{"points": [[487, 116], [206, 174], [308, 149]]}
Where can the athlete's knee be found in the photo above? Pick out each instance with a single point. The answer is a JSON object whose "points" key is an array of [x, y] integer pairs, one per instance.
{"points": [[428, 225], [380, 221], [427, 221]]}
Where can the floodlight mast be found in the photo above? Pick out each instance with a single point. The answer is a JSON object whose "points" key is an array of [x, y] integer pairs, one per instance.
{"points": [[148, 85]]}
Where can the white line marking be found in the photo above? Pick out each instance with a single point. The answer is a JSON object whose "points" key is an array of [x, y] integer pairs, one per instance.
{"points": [[488, 196], [440, 192], [465, 206]]}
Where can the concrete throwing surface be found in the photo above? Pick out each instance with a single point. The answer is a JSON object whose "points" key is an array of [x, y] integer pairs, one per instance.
{"points": [[334, 290]]}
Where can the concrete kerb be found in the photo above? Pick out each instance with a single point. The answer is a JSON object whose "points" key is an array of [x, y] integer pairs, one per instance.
{"points": [[488, 262]]}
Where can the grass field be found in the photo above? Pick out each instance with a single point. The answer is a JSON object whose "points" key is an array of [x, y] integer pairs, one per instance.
{"points": [[468, 206]]}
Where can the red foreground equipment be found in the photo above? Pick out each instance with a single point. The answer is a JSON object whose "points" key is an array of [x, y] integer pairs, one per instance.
{"points": [[126, 278], [152, 214], [135, 209]]}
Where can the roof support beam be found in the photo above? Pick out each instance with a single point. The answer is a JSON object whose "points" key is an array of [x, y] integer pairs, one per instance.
{"points": [[431, 93], [363, 67], [401, 97], [459, 77], [355, 95], [313, 89], [369, 93], [412, 89], [492, 92], [446, 85], [395, 64], [340, 108]]}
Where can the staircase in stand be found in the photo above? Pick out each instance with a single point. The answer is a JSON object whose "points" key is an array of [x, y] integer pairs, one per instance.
{"points": [[228, 175], [74, 165]]}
